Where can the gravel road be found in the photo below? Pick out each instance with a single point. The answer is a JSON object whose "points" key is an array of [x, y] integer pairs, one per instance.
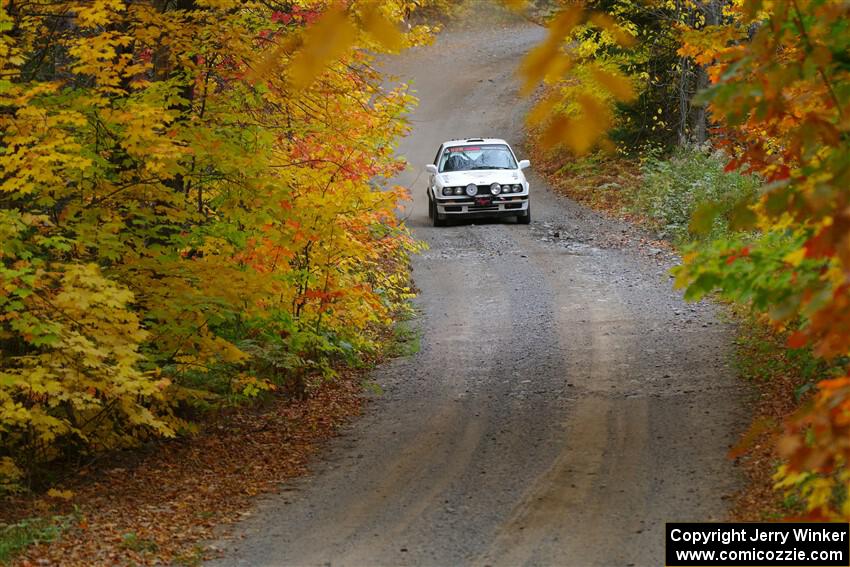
{"points": [[565, 402]]}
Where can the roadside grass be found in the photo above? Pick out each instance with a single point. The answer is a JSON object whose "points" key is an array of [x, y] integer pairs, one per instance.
{"points": [[133, 542], [673, 187], [18, 536], [407, 338], [192, 557]]}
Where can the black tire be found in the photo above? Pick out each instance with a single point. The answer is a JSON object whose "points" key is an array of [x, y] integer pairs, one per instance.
{"points": [[525, 218], [432, 213]]}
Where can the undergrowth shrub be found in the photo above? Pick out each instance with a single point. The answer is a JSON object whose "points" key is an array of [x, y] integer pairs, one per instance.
{"points": [[673, 187]]}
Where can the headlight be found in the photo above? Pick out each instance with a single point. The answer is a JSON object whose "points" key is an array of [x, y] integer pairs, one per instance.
{"points": [[495, 189], [458, 190], [471, 189], [447, 190], [517, 188]]}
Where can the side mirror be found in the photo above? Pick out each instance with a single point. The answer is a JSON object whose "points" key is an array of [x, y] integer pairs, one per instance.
{"points": [[431, 168], [524, 163]]}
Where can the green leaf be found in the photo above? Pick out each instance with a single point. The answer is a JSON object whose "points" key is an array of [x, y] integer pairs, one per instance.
{"points": [[703, 218]]}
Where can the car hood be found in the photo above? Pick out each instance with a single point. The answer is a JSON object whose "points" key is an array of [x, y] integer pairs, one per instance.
{"points": [[481, 177]]}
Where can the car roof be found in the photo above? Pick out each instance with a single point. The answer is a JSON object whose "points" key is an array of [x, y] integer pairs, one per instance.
{"points": [[464, 141]]}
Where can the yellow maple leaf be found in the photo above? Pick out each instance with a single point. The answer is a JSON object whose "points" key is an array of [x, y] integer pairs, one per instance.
{"points": [[619, 86], [516, 5], [381, 28], [325, 41], [607, 23], [60, 494], [548, 59], [796, 257]]}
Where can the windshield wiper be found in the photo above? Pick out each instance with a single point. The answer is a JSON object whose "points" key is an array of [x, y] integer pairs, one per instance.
{"points": [[490, 167]]}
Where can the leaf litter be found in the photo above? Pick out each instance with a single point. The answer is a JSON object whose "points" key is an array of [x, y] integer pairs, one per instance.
{"points": [[161, 504]]}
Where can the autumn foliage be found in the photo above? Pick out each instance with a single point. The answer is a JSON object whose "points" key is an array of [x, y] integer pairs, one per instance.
{"points": [[191, 209], [781, 90]]}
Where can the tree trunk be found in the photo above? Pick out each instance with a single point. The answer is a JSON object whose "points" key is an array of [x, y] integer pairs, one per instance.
{"points": [[712, 11], [684, 95]]}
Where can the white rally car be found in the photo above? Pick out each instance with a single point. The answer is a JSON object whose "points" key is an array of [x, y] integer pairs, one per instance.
{"points": [[477, 177]]}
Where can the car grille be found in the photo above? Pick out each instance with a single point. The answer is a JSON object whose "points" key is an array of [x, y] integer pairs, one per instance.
{"points": [[477, 208]]}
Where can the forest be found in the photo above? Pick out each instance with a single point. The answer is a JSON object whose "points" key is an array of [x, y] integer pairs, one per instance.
{"points": [[182, 221]]}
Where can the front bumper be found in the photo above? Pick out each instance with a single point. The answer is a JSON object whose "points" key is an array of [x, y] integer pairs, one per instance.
{"points": [[497, 206]]}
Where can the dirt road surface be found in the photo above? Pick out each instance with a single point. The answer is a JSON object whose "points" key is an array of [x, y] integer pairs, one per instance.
{"points": [[565, 402]]}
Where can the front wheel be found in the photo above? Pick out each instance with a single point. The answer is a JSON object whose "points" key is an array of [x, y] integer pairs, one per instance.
{"points": [[434, 215], [526, 217]]}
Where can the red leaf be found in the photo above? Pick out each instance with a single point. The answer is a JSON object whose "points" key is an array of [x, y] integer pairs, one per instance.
{"points": [[797, 339], [820, 245], [281, 17]]}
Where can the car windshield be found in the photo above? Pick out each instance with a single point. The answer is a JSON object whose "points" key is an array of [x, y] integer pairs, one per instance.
{"points": [[483, 156]]}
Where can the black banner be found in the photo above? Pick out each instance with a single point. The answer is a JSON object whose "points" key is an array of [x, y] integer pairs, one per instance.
{"points": [[757, 544]]}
